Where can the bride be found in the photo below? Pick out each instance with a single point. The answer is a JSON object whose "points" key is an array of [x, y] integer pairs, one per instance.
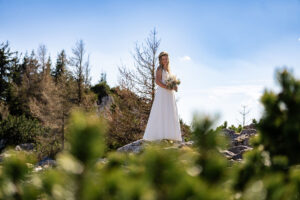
{"points": [[163, 121]]}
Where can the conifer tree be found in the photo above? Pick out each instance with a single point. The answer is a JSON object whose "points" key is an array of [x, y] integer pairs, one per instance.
{"points": [[7, 59]]}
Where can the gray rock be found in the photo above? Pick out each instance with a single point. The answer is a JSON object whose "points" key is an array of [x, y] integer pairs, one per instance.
{"points": [[25, 147], [230, 133], [46, 161], [239, 149], [2, 144], [243, 137], [241, 140], [135, 147], [139, 145], [188, 143], [248, 132], [234, 153], [250, 126], [228, 154], [103, 108]]}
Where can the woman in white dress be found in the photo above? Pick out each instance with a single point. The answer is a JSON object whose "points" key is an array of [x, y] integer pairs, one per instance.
{"points": [[163, 121]]}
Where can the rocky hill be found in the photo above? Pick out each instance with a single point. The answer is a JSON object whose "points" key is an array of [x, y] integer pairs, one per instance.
{"points": [[239, 143]]}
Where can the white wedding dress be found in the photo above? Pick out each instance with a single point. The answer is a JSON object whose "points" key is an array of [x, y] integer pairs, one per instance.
{"points": [[163, 121]]}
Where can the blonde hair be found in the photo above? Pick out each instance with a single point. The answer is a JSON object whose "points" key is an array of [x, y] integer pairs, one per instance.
{"points": [[164, 53]]}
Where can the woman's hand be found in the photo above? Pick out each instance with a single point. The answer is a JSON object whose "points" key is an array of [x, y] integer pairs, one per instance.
{"points": [[176, 88], [165, 86]]}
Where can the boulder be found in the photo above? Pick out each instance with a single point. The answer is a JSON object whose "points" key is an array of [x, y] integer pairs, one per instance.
{"points": [[25, 147], [104, 106], [230, 133], [241, 140], [243, 137], [138, 145], [234, 153], [135, 147], [239, 150], [45, 163], [248, 132], [227, 154], [2, 144], [250, 126]]}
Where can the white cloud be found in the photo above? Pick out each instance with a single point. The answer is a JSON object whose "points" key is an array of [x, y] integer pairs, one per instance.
{"points": [[299, 39], [253, 91], [225, 100], [185, 58]]}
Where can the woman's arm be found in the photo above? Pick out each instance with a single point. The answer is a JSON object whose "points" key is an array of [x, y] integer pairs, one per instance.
{"points": [[158, 78]]}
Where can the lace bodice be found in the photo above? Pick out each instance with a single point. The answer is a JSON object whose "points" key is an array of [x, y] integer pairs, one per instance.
{"points": [[164, 75]]}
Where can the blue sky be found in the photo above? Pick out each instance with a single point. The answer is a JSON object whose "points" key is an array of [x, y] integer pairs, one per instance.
{"points": [[224, 52]]}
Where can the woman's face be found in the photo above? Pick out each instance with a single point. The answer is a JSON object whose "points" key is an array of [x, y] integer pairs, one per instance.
{"points": [[164, 60]]}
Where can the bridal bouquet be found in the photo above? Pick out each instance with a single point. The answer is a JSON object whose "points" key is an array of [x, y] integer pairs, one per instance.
{"points": [[172, 81]]}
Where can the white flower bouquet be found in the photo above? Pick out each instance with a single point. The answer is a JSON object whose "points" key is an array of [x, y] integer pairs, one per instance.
{"points": [[172, 81]]}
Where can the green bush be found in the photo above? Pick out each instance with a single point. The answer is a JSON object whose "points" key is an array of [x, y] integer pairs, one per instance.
{"points": [[48, 145], [280, 125], [19, 129], [271, 170], [102, 89]]}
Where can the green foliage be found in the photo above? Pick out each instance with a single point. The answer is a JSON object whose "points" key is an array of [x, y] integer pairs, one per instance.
{"points": [[232, 127], [15, 169], [48, 145], [236, 129], [128, 121], [254, 121], [7, 60], [19, 129], [271, 170], [280, 124], [225, 124], [204, 135], [86, 137], [60, 67], [102, 89], [208, 141], [159, 172]]}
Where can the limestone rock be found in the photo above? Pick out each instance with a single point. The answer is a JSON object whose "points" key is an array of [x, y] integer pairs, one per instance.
{"points": [[138, 146], [250, 126], [44, 164], [248, 132], [2, 144], [230, 133], [25, 147], [239, 143], [135, 147]]}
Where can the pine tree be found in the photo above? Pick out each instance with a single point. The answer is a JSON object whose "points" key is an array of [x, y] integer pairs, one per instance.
{"points": [[61, 65], [66, 90], [7, 59], [279, 126]]}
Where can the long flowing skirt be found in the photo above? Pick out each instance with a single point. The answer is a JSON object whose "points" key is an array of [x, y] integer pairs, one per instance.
{"points": [[163, 121]]}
